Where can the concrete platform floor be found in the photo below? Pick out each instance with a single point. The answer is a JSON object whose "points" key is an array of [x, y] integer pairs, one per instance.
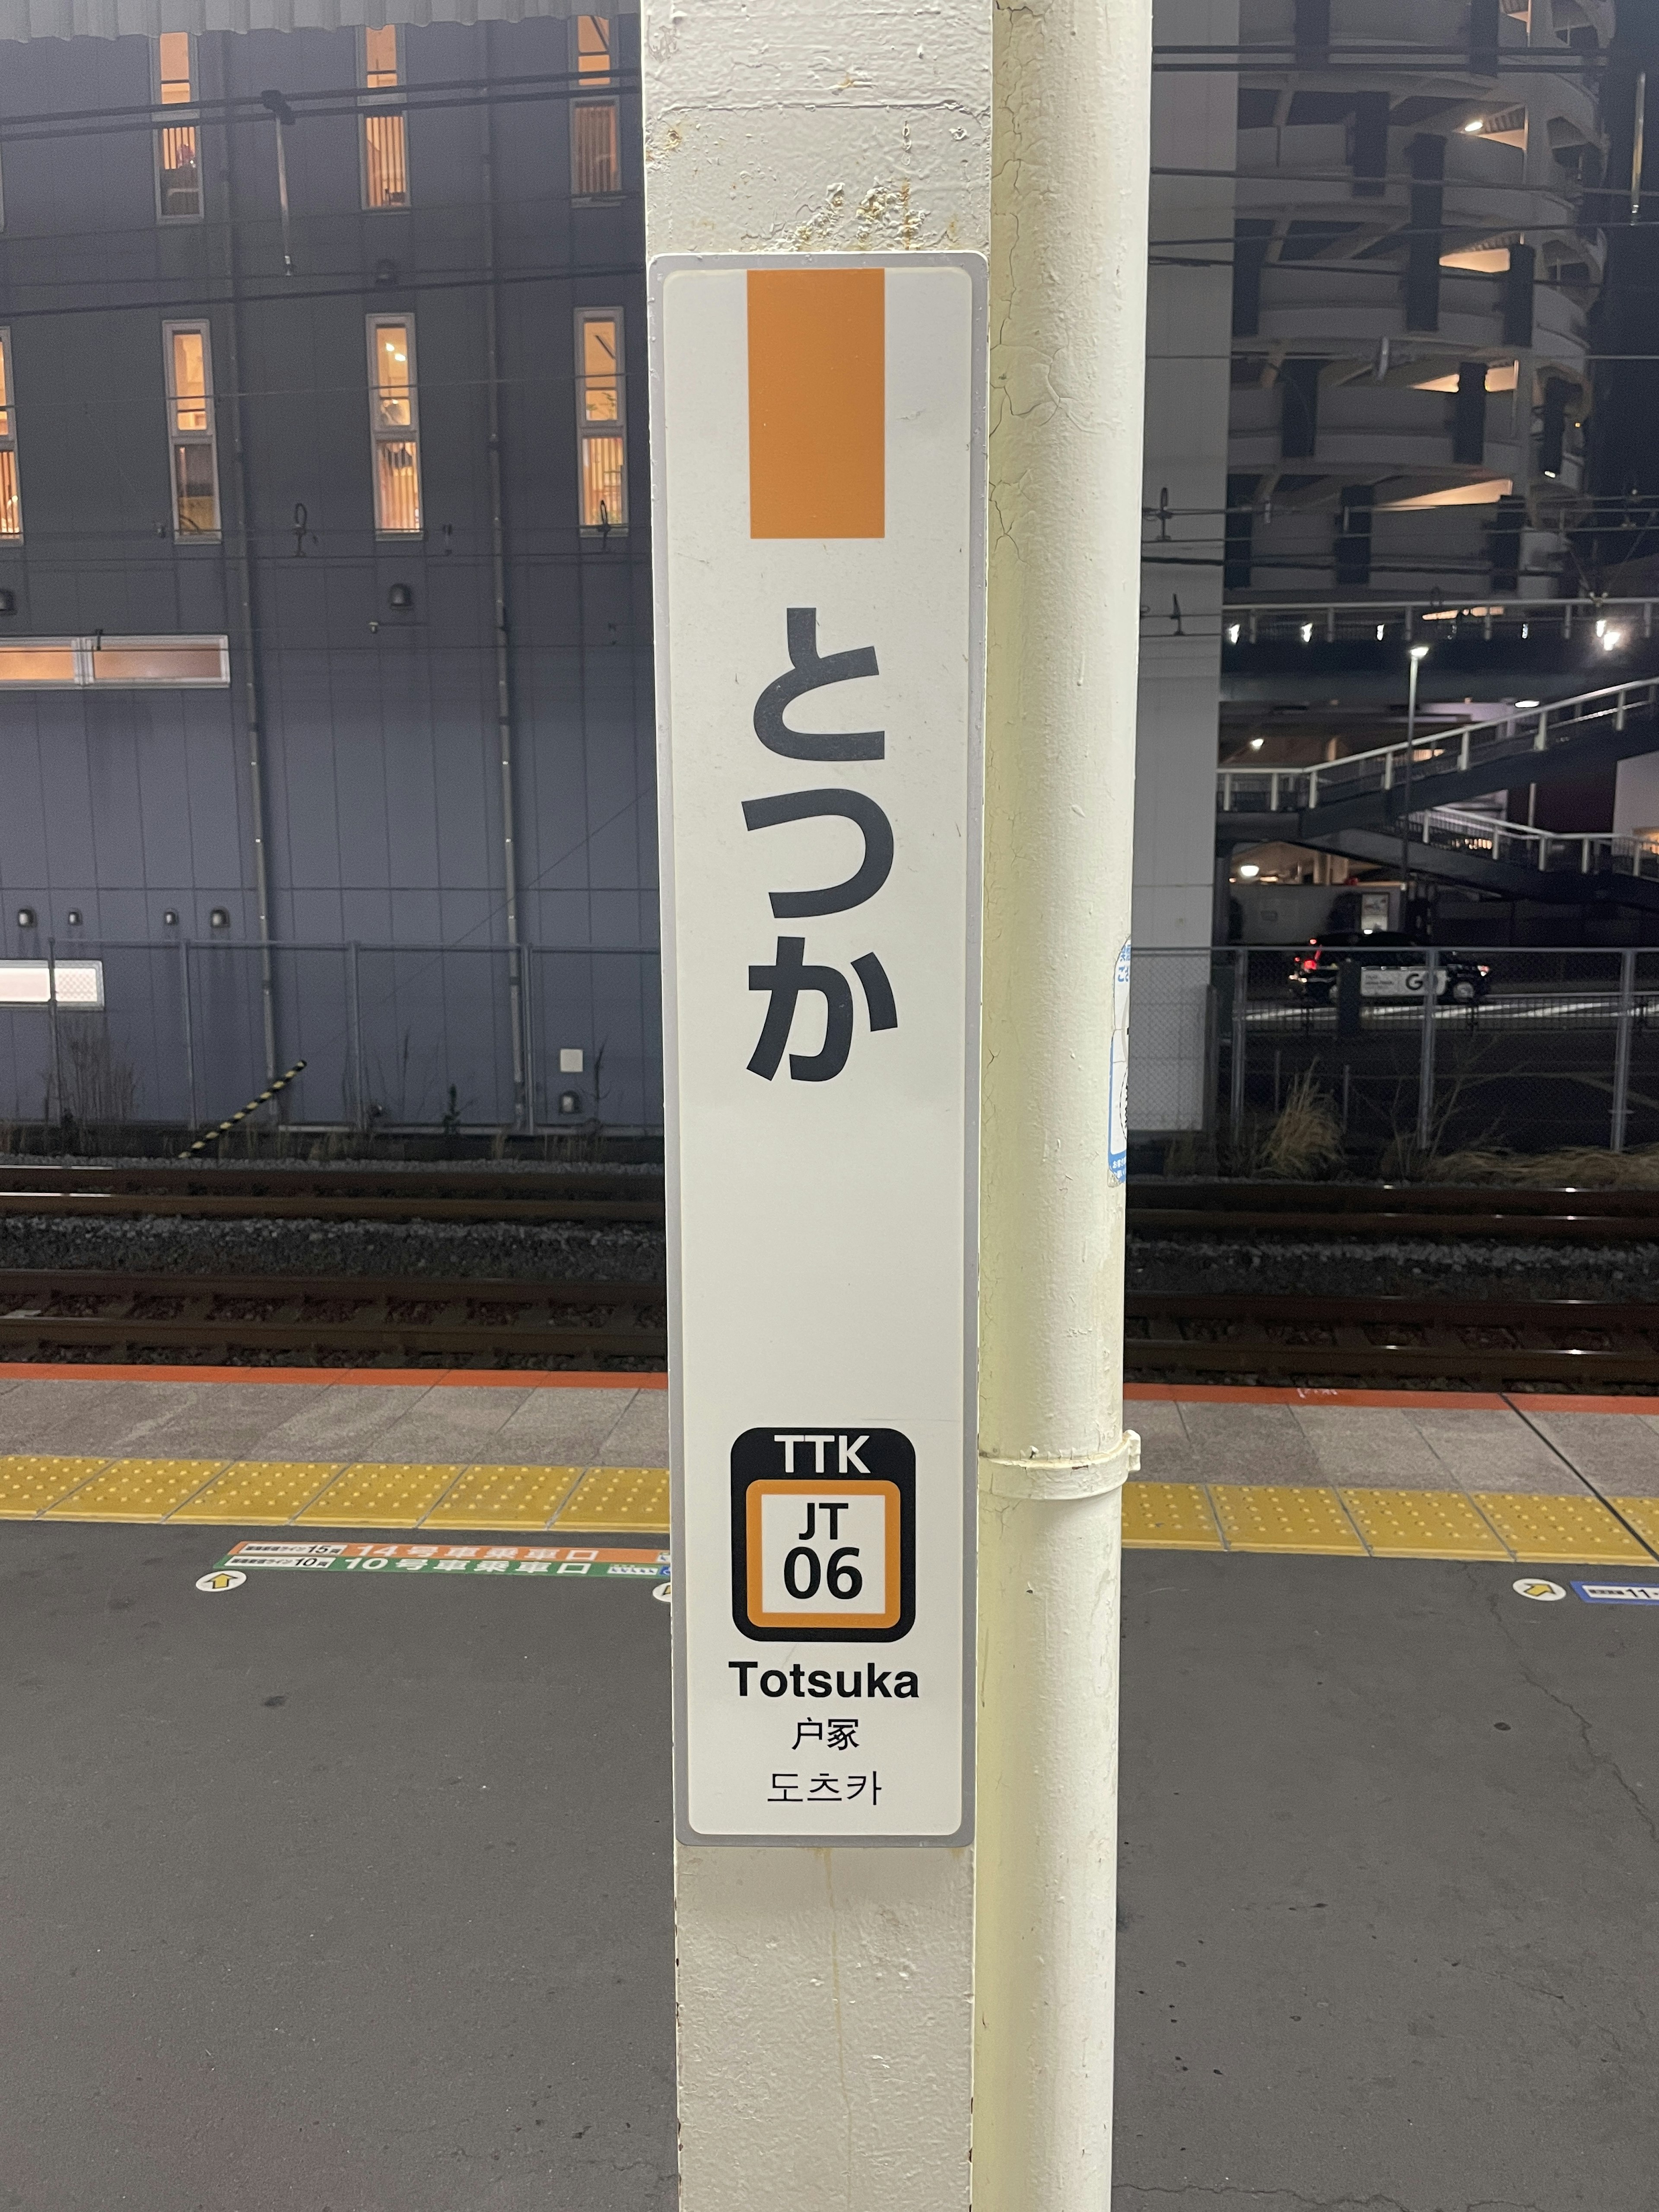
{"points": [[340, 1893], [1387, 1474], [446, 1452]]}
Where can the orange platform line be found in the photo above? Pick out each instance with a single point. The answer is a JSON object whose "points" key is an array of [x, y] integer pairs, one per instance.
{"points": [[1267, 1394], [1572, 1401]]}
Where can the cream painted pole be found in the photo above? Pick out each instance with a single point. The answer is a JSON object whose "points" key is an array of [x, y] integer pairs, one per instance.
{"points": [[825, 1997], [1070, 151]]}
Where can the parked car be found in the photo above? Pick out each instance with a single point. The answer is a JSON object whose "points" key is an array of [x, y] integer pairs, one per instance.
{"points": [[1391, 967]]}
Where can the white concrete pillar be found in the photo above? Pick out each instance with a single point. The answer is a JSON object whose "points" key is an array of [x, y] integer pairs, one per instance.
{"points": [[1068, 286], [825, 1997]]}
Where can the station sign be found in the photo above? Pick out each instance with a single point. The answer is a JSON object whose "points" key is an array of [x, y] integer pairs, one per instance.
{"points": [[818, 494]]}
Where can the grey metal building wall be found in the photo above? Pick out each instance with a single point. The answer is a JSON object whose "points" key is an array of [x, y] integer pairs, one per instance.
{"points": [[382, 787]]}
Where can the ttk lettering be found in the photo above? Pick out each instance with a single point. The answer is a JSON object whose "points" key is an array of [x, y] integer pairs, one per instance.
{"points": [[789, 974], [847, 1448]]}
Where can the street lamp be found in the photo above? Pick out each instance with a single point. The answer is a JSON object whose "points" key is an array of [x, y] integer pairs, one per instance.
{"points": [[1417, 654]]}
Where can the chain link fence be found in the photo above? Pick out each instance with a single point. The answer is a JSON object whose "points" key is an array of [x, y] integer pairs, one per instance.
{"points": [[394, 1037], [1394, 1058], [1391, 1056]]}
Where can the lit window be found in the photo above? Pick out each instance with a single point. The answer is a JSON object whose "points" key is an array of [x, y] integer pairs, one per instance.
{"points": [[11, 505], [595, 34], [386, 146], [595, 124], [601, 420], [395, 426], [157, 663], [187, 352], [38, 982], [147, 664], [178, 172]]}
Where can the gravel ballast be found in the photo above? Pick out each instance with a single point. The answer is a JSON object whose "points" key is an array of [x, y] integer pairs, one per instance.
{"points": [[555, 1251], [1403, 1266]]}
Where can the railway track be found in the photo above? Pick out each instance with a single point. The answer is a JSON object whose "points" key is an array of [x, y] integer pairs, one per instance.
{"points": [[329, 1194], [1324, 1209], [79, 1315], [480, 1195], [1574, 1343]]}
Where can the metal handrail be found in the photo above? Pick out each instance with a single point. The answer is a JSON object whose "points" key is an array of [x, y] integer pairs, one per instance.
{"points": [[1553, 723], [1584, 852], [1323, 617]]}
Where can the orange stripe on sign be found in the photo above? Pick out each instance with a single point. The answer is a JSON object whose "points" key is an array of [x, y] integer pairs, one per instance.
{"points": [[818, 413]]}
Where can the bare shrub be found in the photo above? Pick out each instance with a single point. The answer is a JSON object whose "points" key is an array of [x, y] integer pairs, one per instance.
{"points": [[100, 1087], [1306, 1139]]}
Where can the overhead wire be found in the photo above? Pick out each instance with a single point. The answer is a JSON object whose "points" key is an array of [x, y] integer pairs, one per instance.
{"points": [[331, 100], [356, 288]]}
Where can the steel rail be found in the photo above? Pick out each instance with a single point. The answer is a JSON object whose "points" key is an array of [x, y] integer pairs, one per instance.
{"points": [[61, 1312], [1399, 1210], [1582, 1344], [414, 1195]]}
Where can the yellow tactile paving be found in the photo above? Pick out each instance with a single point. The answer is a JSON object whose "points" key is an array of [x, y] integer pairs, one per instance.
{"points": [[1169, 1516], [28, 1485], [503, 1497], [136, 1490], [379, 1494], [1642, 1514], [1565, 1529], [1422, 1524], [1272, 1516], [618, 1498], [263, 1493], [1390, 1523]]}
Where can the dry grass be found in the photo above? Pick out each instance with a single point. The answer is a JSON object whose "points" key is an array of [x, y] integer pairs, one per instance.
{"points": [[99, 1087], [1306, 1139], [1575, 1167]]}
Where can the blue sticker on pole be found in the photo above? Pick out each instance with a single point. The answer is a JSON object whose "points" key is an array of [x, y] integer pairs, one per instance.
{"points": [[1117, 1156], [1618, 1592]]}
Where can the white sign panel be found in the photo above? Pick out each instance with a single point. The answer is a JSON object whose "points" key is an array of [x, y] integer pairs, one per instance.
{"points": [[818, 439]]}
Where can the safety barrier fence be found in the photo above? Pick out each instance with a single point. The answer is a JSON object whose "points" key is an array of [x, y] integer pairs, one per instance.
{"points": [[394, 1037]]}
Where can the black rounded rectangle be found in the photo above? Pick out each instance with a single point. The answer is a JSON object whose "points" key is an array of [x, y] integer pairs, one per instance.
{"points": [[854, 1491]]}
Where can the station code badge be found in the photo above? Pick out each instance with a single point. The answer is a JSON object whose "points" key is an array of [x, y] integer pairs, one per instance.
{"points": [[819, 427]]}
